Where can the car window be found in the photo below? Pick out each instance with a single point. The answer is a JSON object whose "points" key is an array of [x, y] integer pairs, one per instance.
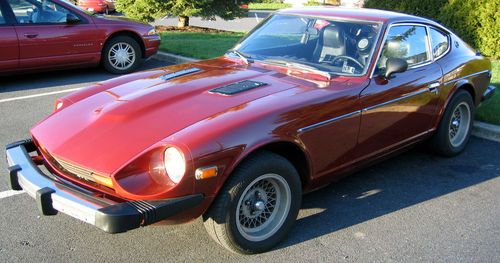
{"points": [[2, 19], [332, 45], [439, 42], [406, 42], [285, 31], [38, 12]]}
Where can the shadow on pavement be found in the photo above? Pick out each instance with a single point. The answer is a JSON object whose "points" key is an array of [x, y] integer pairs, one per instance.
{"points": [[52, 79], [409, 179]]}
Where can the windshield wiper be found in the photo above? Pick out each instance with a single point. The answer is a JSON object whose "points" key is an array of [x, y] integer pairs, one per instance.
{"points": [[245, 58], [300, 66]]}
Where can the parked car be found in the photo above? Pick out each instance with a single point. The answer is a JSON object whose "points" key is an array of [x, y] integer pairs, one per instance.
{"points": [[98, 6], [308, 97], [54, 34]]}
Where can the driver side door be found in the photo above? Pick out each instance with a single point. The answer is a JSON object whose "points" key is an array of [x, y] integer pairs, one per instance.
{"points": [[402, 108], [46, 39]]}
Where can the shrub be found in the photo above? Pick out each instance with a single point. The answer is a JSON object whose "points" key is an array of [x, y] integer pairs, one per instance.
{"points": [[321, 2], [476, 21]]}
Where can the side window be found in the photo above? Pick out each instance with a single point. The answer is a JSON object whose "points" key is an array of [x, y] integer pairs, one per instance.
{"points": [[2, 19], [38, 12], [406, 42], [439, 42]]}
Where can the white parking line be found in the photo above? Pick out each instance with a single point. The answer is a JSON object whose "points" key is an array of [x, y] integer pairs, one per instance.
{"points": [[38, 95], [9, 193]]}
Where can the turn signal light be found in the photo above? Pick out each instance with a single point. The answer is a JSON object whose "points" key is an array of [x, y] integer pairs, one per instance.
{"points": [[106, 181], [206, 172]]}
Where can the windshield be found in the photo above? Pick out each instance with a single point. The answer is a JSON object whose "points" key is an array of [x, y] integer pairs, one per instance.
{"points": [[337, 47]]}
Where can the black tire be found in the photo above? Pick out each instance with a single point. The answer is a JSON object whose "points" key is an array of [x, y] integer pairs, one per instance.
{"points": [[441, 142], [220, 220], [126, 41]]}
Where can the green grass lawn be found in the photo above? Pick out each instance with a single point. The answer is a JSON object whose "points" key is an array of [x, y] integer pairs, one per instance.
{"points": [[268, 6], [197, 44], [489, 111]]}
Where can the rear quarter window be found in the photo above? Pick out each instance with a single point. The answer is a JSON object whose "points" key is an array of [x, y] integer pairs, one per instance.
{"points": [[440, 42]]}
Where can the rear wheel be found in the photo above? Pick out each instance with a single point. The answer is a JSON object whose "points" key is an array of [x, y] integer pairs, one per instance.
{"points": [[257, 206], [121, 55], [455, 127]]}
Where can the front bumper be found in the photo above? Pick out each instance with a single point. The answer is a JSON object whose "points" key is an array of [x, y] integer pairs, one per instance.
{"points": [[58, 195], [152, 44]]}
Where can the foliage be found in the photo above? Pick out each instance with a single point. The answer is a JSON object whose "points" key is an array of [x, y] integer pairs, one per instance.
{"points": [[475, 21], [148, 10], [198, 44], [268, 6], [321, 2]]}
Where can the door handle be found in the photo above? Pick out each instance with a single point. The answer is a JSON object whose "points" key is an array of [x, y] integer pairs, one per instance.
{"points": [[433, 87], [31, 35]]}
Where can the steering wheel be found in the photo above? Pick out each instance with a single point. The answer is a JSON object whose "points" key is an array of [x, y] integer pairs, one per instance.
{"points": [[357, 63]]}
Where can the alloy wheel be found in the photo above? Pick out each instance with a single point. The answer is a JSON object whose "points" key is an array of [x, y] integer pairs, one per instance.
{"points": [[121, 56], [263, 207], [459, 124]]}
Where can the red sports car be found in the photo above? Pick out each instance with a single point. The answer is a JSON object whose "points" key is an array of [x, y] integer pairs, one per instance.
{"points": [[53, 34], [309, 96], [98, 6]]}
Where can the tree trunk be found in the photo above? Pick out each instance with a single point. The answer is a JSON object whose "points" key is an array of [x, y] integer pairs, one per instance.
{"points": [[183, 21]]}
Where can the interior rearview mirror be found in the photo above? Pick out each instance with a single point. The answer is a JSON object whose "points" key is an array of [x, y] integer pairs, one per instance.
{"points": [[394, 65], [72, 19]]}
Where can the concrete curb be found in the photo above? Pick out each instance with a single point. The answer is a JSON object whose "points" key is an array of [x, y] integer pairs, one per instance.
{"points": [[486, 131], [172, 58]]}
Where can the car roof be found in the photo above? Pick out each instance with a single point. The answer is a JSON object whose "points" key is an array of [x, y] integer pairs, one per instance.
{"points": [[375, 15]]}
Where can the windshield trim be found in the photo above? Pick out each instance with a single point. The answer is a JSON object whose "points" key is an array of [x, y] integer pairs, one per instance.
{"points": [[365, 72]]}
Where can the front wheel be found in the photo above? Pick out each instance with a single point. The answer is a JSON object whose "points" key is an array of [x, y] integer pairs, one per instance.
{"points": [[455, 127], [257, 206], [121, 55]]}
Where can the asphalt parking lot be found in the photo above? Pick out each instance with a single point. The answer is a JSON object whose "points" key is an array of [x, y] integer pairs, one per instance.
{"points": [[413, 208]]}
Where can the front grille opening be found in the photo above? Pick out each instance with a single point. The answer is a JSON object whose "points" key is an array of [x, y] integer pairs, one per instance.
{"points": [[73, 171]]}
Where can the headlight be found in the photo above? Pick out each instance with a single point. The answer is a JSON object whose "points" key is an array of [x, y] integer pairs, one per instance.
{"points": [[175, 165], [152, 32]]}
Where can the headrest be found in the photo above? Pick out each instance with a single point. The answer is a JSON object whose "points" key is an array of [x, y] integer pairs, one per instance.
{"points": [[333, 36]]}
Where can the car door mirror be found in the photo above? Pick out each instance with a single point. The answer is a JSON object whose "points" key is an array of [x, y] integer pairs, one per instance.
{"points": [[72, 19], [394, 65]]}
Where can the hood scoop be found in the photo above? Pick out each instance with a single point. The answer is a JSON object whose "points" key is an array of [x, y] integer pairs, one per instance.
{"points": [[238, 87], [179, 73]]}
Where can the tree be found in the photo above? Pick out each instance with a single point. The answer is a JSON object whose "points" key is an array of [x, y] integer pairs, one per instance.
{"points": [[148, 10]]}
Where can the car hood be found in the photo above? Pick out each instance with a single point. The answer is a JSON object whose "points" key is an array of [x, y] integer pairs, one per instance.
{"points": [[106, 130], [110, 19]]}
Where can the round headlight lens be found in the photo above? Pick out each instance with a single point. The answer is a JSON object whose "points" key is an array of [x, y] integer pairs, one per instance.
{"points": [[175, 165]]}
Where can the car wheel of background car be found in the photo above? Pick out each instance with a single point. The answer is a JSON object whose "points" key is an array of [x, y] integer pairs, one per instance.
{"points": [[257, 206], [455, 127], [121, 55]]}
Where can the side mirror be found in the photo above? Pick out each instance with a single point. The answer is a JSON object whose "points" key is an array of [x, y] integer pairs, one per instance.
{"points": [[394, 65], [72, 19]]}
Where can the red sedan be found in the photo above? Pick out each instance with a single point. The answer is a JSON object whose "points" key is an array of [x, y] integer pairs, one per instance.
{"points": [[53, 34], [308, 97]]}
